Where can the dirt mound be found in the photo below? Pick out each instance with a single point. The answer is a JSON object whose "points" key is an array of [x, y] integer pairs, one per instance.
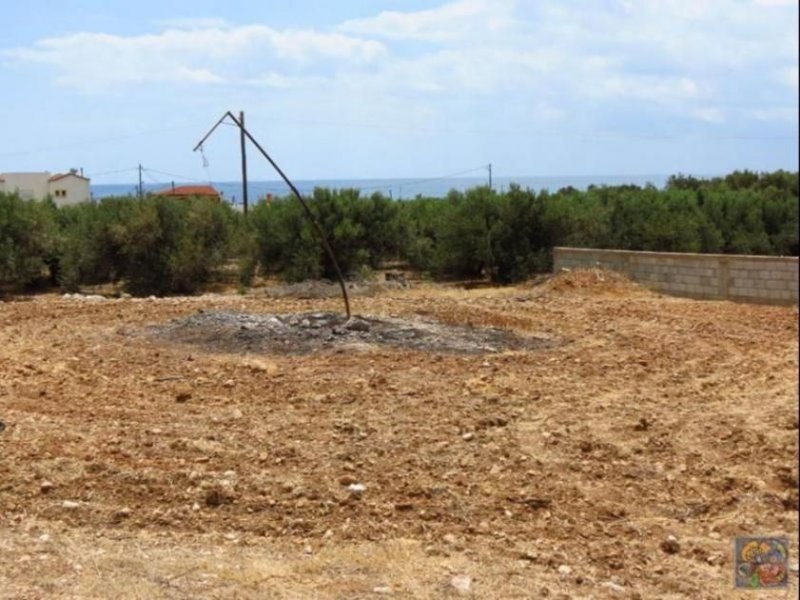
{"points": [[302, 333], [595, 280]]}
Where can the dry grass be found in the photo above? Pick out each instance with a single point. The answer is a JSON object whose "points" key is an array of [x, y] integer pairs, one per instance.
{"points": [[76, 564]]}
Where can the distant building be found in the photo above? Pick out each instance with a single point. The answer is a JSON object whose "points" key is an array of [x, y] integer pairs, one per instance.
{"points": [[63, 188], [190, 191]]}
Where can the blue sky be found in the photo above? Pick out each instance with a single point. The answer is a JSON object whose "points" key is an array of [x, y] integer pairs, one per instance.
{"points": [[401, 88]]}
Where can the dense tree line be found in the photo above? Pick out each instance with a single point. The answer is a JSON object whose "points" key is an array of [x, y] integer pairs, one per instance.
{"points": [[154, 246], [168, 245]]}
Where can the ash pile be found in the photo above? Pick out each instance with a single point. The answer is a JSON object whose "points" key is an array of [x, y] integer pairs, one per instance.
{"points": [[302, 333]]}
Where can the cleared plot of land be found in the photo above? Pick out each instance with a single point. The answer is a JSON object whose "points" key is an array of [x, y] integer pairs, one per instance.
{"points": [[136, 465]]}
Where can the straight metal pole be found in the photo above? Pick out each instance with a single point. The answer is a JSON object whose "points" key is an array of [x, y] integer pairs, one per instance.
{"points": [[244, 162]]}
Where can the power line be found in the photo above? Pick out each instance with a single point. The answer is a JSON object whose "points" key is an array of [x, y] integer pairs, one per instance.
{"points": [[182, 177], [389, 185], [401, 182], [579, 135], [95, 175], [150, 177], [94, 141], [450, 176]]}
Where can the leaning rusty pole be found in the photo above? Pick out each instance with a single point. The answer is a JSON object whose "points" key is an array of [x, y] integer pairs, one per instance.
{"points": [[308, 212]]}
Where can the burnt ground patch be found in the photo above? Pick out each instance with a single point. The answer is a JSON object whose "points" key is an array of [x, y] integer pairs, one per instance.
{"points": [[302, 333]]}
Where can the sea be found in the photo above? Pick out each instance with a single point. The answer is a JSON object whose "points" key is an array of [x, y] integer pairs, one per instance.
{"points": [[398, 189]]}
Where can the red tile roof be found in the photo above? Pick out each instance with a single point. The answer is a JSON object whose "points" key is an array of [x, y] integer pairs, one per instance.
{"points": [[190, 190]]}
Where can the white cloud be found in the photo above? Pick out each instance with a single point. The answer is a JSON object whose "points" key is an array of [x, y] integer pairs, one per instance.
{"points": [[687, 34], [654, 89], [201, 55], [270, 80], [478, 71], [198, 75], [681, 58], [449, 22], [307, 45], [709, 114], [781, 114], [193, 23], [776, 2]]}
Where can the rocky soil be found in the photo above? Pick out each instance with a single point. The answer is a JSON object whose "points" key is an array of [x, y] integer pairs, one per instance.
{"points": [[579, 438]]}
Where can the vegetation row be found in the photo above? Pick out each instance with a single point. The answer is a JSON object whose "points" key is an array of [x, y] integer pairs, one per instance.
{"points": [[162, 245]]}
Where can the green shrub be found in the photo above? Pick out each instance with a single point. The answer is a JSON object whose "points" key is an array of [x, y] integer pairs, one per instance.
{"points": [[464, 236], [172, 245], [245, 249], [156, 245], [285, 241], [363, 232], [90, 242], [28, 240]]}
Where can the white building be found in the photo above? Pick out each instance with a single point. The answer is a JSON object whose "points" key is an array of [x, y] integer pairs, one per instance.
{"points": [[63, 188]]}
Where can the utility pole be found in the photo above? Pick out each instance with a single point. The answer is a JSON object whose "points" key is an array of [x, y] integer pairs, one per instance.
{"points": [[490, 176], [244, 161], [141, 193]]}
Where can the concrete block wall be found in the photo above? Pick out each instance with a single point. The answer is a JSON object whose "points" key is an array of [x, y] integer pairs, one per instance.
{"points": [[764, 279]]}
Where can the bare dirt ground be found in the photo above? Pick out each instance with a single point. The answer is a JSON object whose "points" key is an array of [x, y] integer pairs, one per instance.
{"points": [[138, 465]]}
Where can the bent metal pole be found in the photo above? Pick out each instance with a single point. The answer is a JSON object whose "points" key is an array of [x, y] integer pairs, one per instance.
{"points": [[292, 187]]}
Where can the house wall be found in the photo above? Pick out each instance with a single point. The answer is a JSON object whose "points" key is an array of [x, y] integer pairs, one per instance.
{"points": [[76, 188], [29, 186], [764, 279]]}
